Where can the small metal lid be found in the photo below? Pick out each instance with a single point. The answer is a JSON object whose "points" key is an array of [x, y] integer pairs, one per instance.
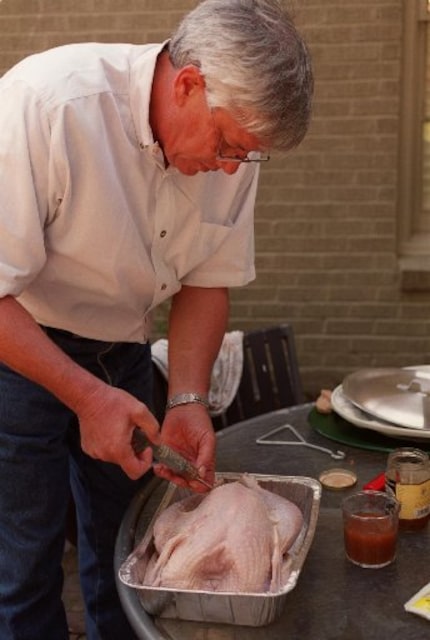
{"points": [[337, 479]]}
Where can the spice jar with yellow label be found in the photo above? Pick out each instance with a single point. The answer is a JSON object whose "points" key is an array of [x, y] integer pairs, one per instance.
{"points": [[407, 478]]}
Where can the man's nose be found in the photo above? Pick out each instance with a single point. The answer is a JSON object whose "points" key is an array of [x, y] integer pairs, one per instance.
{"points": [[229, 167]]}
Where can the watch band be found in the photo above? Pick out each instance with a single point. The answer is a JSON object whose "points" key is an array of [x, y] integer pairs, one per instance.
{"points": [[187, 398]]}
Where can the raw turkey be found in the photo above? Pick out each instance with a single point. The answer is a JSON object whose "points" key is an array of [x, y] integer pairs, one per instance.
{"points": [[231, 540]]}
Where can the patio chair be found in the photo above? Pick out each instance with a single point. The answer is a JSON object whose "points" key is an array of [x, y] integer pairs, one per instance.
{"points": [[270, 377]]}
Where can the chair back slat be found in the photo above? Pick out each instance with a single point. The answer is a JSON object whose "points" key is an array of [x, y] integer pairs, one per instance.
{"points": [[270, 377]]}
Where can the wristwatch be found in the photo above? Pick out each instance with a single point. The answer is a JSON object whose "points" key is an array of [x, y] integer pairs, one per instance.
{"points": [[187, 398]]}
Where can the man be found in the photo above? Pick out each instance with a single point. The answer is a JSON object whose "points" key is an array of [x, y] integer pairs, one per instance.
{"points": [[125, 180]]}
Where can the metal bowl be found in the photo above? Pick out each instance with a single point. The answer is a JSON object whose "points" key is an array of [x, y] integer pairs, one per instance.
{"points": [[398, 396]]}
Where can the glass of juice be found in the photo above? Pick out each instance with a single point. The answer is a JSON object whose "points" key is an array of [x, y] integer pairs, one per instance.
{"points": [[370, 526]]}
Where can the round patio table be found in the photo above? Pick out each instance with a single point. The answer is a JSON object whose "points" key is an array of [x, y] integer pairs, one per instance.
{"points": [[333, 599]]}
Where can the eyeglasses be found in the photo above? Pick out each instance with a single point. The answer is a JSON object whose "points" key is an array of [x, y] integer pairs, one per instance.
{"points": [[251, 156]]}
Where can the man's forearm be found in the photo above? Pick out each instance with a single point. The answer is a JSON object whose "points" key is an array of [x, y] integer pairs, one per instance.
{"points": [[25, 348], [198, 321]]}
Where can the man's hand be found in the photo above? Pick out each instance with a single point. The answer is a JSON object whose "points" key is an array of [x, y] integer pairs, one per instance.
{"points": [[107, 419], [188, 430]]}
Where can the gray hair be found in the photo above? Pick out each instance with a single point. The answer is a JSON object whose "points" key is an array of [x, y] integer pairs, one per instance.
{"points": [[255, 64]]}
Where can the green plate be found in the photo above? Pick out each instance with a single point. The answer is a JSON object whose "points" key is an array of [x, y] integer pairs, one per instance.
{"points": [[335, 428]]}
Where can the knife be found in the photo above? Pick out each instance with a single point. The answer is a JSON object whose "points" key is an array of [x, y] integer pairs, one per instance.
{"points": [[168, 456]]}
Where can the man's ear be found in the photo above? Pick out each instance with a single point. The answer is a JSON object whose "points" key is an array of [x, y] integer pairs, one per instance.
{"points": [[188, 82]]}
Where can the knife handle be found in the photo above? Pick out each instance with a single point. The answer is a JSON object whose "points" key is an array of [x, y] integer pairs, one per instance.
{"points": [[164, 454]]}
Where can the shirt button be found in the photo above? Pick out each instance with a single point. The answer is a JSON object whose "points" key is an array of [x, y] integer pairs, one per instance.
{"points": [[163, 286], [163, 233]]}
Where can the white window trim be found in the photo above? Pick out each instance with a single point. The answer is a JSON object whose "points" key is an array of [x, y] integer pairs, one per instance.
{"points": [[414, 242]]}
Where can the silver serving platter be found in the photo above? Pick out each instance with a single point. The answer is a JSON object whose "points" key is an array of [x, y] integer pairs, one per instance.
{"points": [[398, 396], [357, 417], [250, 609]]}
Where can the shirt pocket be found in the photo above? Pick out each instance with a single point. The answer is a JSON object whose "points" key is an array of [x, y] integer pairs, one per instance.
{"points": [[187, 255]]}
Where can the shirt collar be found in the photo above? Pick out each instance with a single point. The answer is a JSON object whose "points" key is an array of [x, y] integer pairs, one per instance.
{"points": [[141, 78]]}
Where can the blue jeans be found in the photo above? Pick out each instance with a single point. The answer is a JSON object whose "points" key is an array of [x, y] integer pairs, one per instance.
{"points": [[40, 459]]}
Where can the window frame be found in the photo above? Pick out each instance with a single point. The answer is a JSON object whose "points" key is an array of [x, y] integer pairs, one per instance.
{"points": [[413, 239]]}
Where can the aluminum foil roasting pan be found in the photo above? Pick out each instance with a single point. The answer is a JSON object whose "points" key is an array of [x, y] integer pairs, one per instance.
{"points": [[250, 609]]}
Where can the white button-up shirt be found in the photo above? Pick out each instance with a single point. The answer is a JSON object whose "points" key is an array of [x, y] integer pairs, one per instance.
{"points": [[94, 230]]}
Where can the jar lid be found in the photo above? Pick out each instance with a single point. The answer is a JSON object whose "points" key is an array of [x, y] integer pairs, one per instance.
{"points": [[337, 479]]}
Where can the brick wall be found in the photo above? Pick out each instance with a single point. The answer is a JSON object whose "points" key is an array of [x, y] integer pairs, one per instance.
{"points": [[326, 230]]}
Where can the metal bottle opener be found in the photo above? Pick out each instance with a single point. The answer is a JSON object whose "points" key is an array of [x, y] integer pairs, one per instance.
{"points": [[336, 455]]}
